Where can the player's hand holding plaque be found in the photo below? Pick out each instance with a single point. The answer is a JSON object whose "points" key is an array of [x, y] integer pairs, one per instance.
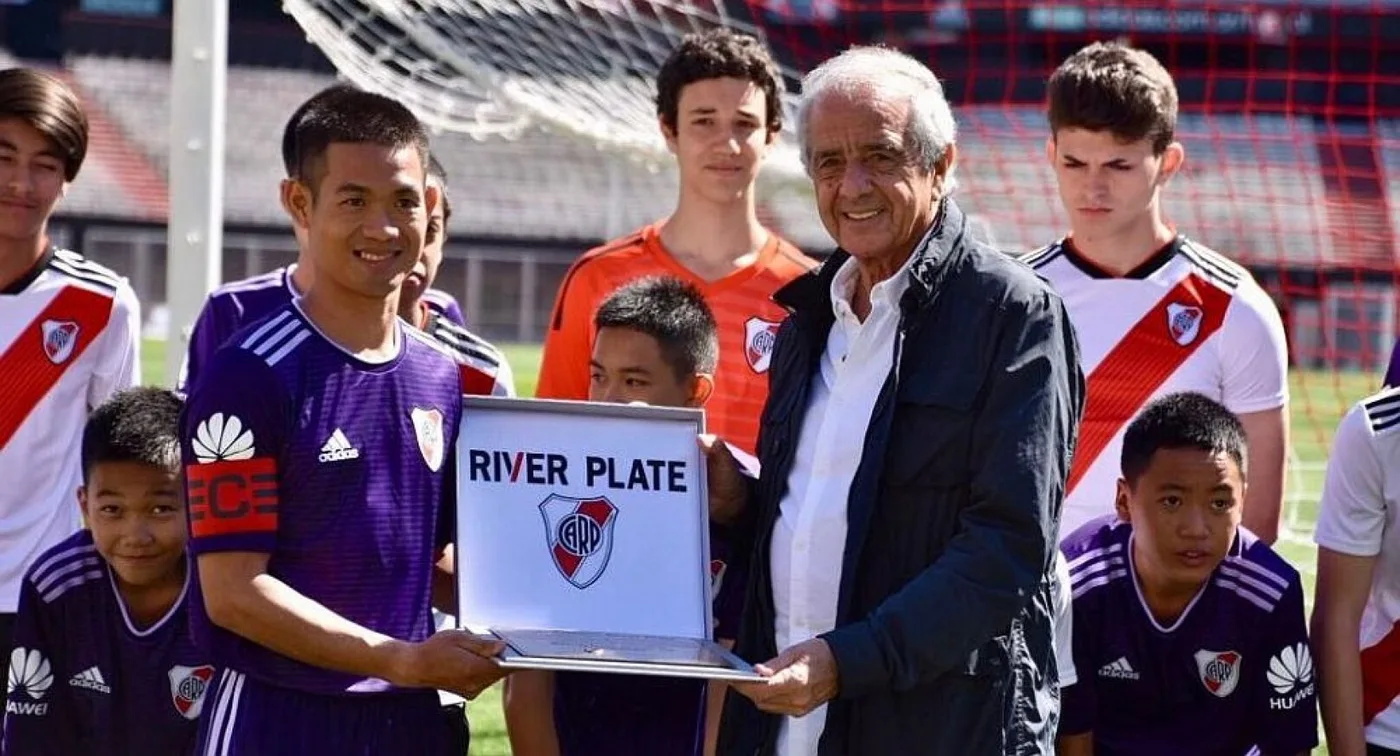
{"points": [[583, 539]]}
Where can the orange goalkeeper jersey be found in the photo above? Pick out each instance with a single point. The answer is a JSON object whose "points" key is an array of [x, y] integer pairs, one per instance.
{"points": [[743, 308]]}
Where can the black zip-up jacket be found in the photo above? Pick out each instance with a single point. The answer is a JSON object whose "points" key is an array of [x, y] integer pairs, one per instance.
{"points": [[943, 623]]}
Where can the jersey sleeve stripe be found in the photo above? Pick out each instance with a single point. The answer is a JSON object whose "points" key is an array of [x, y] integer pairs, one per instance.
{"points": [[1238, 575], [1093, 555], [48, 563], [1080, 589], [1244, 592], [1383, 412], [101, 282], [257, 336], [1043, 255], [1211, 267], [1259, 571], [276, 357], [267, 345], [87, 561], [1090, 569], [57, 591]]}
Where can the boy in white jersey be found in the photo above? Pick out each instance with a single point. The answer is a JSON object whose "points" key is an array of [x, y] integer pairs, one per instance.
{"points": [[1356, 615], [69, 329], [1155, 312]]}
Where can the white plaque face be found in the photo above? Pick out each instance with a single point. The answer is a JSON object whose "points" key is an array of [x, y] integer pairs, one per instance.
{"points": [[582, 517]]}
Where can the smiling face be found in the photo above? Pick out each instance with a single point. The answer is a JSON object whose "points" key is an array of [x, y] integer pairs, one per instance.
{"points": [[366, 222], [137, 519], [874, 194], [1107, 185], [31, 180], [721, 137]]}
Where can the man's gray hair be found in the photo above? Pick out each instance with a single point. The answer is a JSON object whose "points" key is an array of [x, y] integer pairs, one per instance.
{"points": [[865, 69]]}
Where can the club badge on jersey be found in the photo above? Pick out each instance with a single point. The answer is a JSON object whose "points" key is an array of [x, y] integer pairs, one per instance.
{"points": [[579, 533], [1184, 322], [759, 337], [427, 426], [1220, 671], [187, 688], [60, 336]]}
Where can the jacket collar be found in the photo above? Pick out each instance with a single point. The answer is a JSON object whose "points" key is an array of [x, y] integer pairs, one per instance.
{"points": [[933, 255]]}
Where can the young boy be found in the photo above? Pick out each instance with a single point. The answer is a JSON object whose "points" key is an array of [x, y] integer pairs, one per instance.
{"points": [[417, 287], [103, 661], [655, 344], [1188, 630], [437, 314], [316, 451], [719, 110], [70, 330], [1155, 312], [1357, 605]]}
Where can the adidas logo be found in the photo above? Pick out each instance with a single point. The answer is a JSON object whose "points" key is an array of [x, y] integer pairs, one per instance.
{"points": [[90, 678], [338, 448], [1118, 670]]}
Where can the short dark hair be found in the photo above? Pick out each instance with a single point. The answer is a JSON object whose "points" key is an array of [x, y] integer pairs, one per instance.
{"points": [[352, 116], [289, 132], [139, 425], [1184, 420], [51, 108], [1111, 87], [718, 54], [671, 311], [438, 173]]}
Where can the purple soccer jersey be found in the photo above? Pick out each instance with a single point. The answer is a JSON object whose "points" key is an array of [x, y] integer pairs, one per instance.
{"points": [[1234, 672], [340, 470], [607, 714], [227, 310], [84, 679], [444, 304]]}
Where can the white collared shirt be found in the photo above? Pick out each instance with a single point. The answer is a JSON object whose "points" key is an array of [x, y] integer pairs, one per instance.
{"points": [[809, 538]]}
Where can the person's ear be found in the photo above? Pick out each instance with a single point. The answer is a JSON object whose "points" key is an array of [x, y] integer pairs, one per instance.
{"points": [[702, 387]]}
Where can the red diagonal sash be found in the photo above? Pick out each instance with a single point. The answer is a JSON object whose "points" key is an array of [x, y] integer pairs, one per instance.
{"points": [[29, 372], [1151, 351], [1380, 675]]}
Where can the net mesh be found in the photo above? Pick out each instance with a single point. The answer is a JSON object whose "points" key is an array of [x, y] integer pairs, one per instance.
{"points": [[1290, 118]]}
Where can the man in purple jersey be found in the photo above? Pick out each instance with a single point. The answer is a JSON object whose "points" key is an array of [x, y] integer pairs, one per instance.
{"points": [[656, 343], [103, 661], [317, 460], [1392, 374], [1189, 634], [238, 303]]}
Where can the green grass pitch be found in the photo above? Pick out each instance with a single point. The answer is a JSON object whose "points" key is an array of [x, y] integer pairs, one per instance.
{"points": [[1318, 401]]}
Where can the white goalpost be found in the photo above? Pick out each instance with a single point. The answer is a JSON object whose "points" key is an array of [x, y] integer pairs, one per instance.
{"points": [[198, 75]]}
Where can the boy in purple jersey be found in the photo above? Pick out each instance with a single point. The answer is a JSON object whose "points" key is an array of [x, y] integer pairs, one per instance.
{"points": [[657, 344], [316, 453], [1189, 634], [103, 662], [436, 313]]}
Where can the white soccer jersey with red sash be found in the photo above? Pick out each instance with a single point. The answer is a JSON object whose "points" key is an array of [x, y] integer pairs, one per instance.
{"points": [[69, 339], [1360, 516], [1187, 319]]}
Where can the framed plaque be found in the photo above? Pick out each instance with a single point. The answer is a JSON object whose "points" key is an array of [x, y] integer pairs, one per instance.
{"points": [[583, 537]]}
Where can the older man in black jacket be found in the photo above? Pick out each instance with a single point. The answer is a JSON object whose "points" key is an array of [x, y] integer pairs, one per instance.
{"points": [[925, 399]]}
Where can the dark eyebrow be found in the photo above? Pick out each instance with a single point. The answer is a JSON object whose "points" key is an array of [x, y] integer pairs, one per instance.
{"points": [[11, 146]]}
